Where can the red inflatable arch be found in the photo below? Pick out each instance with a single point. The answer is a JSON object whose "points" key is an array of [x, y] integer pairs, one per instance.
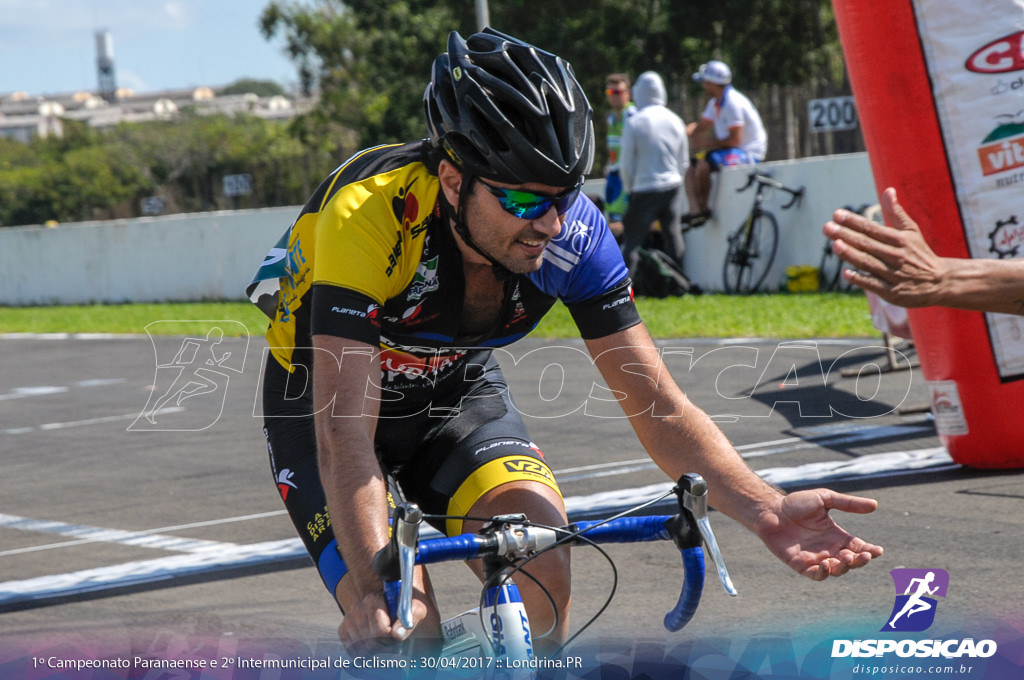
{"points": [[938, 85]]}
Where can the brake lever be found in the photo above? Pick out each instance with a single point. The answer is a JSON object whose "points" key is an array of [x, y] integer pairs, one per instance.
{"points": [[692, 491], [407, 535], [396, 561]]}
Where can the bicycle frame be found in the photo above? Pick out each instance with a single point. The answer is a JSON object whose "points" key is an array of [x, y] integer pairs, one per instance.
{"points": [[744, 251], [506, 634]]}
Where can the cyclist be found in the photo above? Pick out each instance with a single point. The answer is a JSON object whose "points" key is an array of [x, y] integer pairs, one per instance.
{"points": [[410, 262], [729, 132]]}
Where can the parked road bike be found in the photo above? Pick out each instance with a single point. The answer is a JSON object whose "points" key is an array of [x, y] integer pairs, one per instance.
{"points": [[831, 267], [497, 634], [752, 247]]}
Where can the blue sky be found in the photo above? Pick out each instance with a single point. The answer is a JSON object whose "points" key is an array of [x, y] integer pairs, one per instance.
{"points": [[48, 46]]}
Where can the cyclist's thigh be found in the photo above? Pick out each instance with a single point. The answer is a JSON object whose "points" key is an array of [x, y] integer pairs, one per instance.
{"points": [[486, 445]]}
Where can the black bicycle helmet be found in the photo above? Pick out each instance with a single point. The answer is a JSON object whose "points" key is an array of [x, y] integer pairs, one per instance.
{"points": [[507, 111]]}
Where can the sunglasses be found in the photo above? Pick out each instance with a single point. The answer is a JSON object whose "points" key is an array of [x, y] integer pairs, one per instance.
{"points": [[610, 91], [527, 205]]}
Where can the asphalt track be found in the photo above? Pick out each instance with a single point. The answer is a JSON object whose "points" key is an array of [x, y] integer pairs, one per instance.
{"points": [[166, 533]]}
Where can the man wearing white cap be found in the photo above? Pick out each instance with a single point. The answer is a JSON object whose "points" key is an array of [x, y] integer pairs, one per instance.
{"points": [[730, 132]]}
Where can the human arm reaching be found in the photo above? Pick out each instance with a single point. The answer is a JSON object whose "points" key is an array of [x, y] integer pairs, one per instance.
{"points": [[894, 261], [796, 528]]}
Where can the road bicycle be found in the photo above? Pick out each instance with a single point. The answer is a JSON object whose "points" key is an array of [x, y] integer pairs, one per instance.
{"points": [[497, 634], [830, 270], [752, 247]]}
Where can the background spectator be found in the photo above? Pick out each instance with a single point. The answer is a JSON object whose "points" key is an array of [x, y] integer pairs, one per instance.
{"points": [[655, 155], [615, 199], [730, 132]]}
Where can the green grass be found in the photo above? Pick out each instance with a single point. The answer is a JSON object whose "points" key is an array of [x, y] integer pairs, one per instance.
{"points": [[806, 315]]}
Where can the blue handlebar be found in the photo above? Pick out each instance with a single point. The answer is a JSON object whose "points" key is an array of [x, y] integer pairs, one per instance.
{"points": [[621, 530], [693, 588]]}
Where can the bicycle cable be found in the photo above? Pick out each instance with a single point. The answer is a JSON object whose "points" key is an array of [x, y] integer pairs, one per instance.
{"points": [[569, 535]]}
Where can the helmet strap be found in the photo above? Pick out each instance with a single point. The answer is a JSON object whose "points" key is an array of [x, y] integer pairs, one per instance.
{"points": [[458, 219]]}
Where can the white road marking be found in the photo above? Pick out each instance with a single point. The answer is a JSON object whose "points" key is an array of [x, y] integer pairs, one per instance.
{"points": [[41, 589], [45, 427], [150, 538]]}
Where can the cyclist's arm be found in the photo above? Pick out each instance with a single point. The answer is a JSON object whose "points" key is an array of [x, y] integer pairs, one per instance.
{"points": [[345, 398], [680, 438], [677, 434], [346, 420]]}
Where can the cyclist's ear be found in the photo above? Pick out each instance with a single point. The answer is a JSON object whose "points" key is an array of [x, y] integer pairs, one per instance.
{"points": [[451, 181]]}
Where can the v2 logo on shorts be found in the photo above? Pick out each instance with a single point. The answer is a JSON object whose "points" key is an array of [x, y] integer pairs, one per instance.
{"points": [[915, 605]]}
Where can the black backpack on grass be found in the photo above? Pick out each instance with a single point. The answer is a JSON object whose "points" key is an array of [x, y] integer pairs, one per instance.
{"points": [[658, 276]]}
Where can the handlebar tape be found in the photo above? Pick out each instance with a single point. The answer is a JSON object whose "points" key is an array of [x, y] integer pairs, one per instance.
{"points": [[391, 593], [693, 588]]}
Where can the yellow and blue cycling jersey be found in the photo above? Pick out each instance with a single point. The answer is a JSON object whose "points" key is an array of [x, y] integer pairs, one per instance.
{"points": [[371, 259]]}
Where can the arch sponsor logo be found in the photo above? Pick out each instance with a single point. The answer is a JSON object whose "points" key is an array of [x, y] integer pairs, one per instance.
{"points": [[1002, 150], [1002, 55]]}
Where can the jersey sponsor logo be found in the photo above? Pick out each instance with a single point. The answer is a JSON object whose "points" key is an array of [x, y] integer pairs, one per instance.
{"points": [[565, 251], [396, 252], [371, 313], [1003, 149], [1007, 238], [406, 207], [425, 279], [396, 362], [620, 301]]}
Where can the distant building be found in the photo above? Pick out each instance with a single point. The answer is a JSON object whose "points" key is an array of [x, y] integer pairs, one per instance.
{"points": [[24, 117]]}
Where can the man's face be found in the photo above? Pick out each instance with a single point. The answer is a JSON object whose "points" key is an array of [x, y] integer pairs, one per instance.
{"points": [[618, 95], [518, 243]]}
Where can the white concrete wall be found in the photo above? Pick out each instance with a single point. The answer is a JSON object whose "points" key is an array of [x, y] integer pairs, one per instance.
{"points": [[831, 182], [197, 256], [212, 256]]}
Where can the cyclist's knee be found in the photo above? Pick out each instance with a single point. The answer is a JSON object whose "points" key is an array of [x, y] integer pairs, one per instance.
{"points": [[547, 604]]}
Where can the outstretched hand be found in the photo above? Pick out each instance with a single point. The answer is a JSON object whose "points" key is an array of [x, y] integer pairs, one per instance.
{"points": [[892, 259], [801, 533]]}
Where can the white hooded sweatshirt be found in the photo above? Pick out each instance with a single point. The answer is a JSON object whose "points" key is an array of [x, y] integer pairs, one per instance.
{"points": [[655, 149]]}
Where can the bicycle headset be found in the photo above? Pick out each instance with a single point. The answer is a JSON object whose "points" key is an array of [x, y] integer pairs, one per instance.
{"points": [[504, 110]]}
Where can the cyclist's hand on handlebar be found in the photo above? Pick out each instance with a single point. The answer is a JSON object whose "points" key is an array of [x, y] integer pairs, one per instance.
{"points": [[800, 532], [366, 627]]}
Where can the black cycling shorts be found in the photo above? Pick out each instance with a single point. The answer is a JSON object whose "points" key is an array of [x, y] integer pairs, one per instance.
{"points": [[444, 458]]}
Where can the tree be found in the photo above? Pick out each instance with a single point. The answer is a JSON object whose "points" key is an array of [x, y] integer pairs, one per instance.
{"points": [[357, 57], [369, 61], [262, 88]]}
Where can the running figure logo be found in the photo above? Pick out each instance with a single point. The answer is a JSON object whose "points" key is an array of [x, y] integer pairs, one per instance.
{"points": [[914, 609], [197, 369]]}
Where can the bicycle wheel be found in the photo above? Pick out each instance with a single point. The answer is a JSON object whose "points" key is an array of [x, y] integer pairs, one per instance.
{"points": [[830, 270], [750, 254]]}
